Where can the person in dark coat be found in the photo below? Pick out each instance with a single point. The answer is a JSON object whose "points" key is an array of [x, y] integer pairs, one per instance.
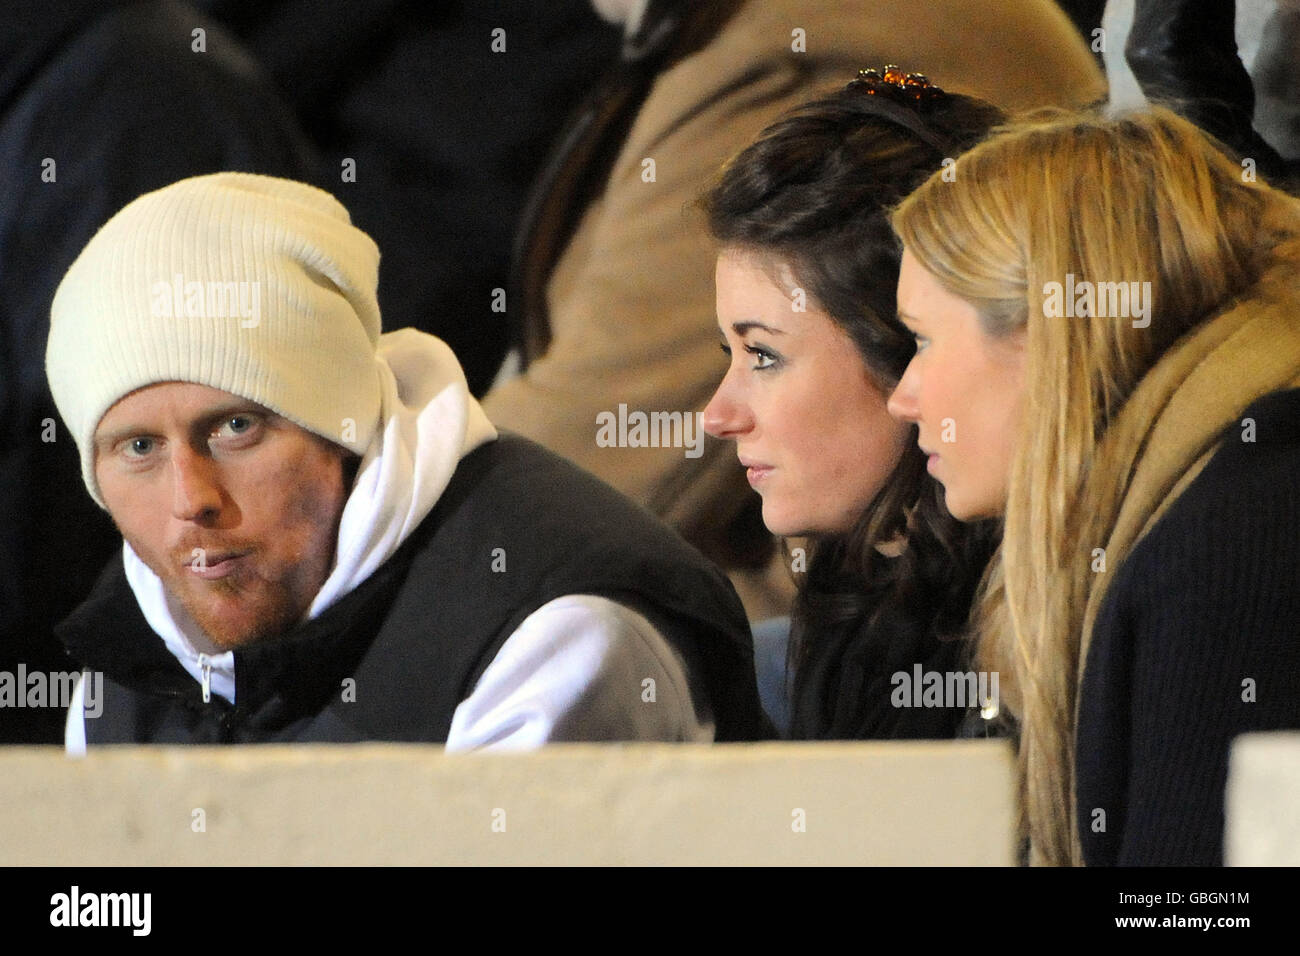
{"points": [[432, 120]]}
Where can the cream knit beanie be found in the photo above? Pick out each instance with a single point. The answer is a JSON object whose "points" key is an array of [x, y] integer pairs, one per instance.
{"points": [[257, 286]]}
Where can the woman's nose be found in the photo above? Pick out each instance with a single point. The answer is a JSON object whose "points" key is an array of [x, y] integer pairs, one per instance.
{"points": [[902, 401], [724, 416]]}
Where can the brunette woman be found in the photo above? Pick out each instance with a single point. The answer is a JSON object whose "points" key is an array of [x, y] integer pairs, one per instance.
{"points": [[806, 272]]}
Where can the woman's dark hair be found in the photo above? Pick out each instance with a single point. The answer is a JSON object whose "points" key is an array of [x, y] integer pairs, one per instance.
{"points": [[813, 194]]}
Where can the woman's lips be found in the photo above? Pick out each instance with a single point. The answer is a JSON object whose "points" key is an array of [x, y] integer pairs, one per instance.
{"points": [[757, 473]]}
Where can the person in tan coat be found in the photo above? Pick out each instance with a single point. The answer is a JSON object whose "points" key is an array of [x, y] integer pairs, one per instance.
{"points": [[620, 313]]}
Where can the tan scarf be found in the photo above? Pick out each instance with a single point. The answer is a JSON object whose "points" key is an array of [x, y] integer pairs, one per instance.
{"points": [[1169, 429]]}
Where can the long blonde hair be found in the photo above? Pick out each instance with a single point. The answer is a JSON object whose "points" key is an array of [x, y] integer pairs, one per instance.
{"points": [[1144, 197]]}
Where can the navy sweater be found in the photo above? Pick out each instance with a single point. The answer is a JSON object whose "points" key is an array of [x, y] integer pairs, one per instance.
{"points": [[1197, 641]]}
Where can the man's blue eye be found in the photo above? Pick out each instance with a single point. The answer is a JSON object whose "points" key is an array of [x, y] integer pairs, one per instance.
{"points": [[135, 443], [237, 425]]}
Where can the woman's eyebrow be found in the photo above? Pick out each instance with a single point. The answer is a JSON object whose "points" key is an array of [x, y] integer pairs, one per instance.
{"points": [[741, 328]]}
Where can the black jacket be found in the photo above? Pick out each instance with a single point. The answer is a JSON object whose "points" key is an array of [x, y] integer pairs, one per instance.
{"points": [[416, 634]]}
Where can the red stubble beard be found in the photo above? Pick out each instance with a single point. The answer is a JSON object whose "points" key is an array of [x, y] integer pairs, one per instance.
{"points": [[242, 608]]}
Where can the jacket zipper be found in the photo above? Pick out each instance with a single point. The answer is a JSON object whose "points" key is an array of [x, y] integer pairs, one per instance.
{"points": [[205, 666], [226, 721]]}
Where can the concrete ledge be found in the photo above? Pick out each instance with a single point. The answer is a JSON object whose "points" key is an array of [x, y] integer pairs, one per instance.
{"points": [[895, 803], [1262, 807]]}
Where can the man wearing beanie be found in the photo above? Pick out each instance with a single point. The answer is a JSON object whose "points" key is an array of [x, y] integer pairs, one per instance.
{"points": [[325, 539]]}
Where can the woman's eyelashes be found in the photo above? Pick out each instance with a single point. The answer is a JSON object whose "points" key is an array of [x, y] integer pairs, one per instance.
{"points": [[764, 357], [911, 331], [920, 339]]}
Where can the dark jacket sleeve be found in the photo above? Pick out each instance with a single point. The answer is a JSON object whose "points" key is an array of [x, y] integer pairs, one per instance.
{"points": [[1185, 52]]}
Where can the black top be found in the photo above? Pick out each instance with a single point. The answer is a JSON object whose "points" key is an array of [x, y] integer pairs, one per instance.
{"points": [[1198, 640]]}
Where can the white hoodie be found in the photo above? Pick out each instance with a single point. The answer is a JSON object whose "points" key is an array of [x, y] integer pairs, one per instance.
{"points": [[566, 673]]}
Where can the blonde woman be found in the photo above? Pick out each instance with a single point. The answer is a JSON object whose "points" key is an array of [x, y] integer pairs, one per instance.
{"points": [[1107, 316]]}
